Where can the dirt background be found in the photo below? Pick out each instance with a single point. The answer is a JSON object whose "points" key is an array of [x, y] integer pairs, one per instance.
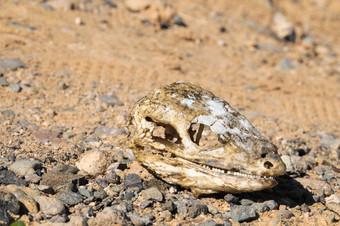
{"points": [[81, 50]]}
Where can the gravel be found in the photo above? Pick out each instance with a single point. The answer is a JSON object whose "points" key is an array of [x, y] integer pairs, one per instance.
{"points": [[50, 206]]}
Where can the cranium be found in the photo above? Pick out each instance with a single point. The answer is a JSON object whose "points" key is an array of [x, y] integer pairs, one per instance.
{"points": [[189, 137]]}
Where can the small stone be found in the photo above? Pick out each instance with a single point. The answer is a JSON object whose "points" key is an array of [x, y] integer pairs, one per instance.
{"points": [[8, 202], [335, 207], [102, 182], [105, 131], [8, 113], [246, 202], [63, 86], [152, 194], [260, 207], [178, 21], [208, 223], [221, 42], [283, 28], [133, 180], [86, 193], [10, 64], [109, 216], [145, 204], [9, 177], [3, 82], [285, 214], [212, 209], [181, 207], [271, 204], [110, 100], [333, 198], [112, 177], [63, 177], [196, 208], [23, 167], [136, 5], [320, 170], [138, 220], [100, 194], [226, 222], [129, 195], [304, 208], [286, 64], [32, 178], [231, 198], [48, 135], [69, 197], [15, 87], [58, 219], [46, 189], [94, 162], [50, 206], [169, 205], [242, 213]]}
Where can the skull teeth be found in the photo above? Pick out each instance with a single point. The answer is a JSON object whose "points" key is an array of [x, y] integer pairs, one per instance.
{"points": [[235, 173]]}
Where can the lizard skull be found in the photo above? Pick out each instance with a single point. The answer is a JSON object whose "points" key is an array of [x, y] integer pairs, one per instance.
{"points": [[189, 137]]}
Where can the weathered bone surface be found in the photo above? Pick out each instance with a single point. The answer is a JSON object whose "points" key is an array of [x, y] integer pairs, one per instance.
{"points": [[189, 137]]}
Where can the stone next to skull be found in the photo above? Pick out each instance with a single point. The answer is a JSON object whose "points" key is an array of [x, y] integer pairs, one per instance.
{"points": [[189, 137]]}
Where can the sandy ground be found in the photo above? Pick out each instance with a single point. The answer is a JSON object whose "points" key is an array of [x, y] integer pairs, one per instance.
{"points": [[76, 53]]}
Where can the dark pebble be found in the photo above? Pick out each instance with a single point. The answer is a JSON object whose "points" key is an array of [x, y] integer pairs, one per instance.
{"points": [[70, 198], [231, 198], [242, 213], [15, 87], [133, 180]]}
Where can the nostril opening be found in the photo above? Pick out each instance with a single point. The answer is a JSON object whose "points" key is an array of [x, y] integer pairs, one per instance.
{"points": [[268, 165], [263, 155]]}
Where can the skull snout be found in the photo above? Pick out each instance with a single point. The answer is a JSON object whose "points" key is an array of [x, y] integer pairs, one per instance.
{"points": [[273, 164]]}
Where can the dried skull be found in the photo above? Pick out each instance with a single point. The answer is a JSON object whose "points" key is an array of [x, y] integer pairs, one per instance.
{"points": [[190, 137]]}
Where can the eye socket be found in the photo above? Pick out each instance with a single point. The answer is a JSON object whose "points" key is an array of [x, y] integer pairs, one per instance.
{"points": [[164, 132], [148, 119], [203, 136]]}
